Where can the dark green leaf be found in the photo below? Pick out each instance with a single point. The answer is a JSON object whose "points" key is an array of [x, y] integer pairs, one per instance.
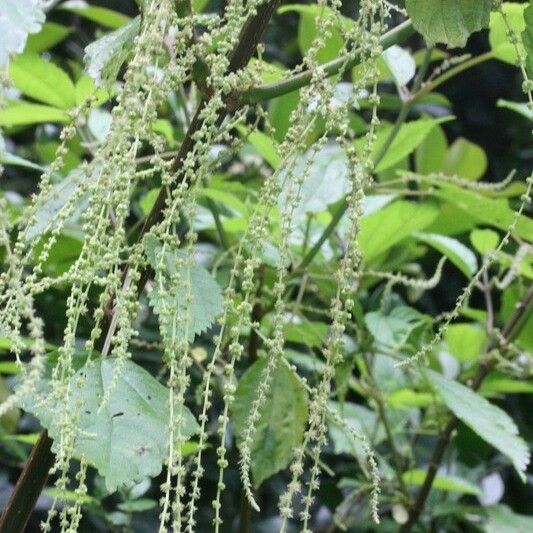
{"points": [[283, 418], [448, 21]]}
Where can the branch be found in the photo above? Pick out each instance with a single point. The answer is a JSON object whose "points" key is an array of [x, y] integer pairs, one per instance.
{"points": [[511, 330], [35, 473], [272, 90]]}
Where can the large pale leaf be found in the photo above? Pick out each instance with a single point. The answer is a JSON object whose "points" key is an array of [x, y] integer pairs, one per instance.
{"points": [[388, 226], [104, 57], [325, 180], [487, 420], [127, 439], [206, 298], [18, 18], [42, 80], [448, 21], [283, 417]]}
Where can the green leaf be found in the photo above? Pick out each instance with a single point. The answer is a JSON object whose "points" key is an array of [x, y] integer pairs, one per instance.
{"points": [[42, 80], [465, 341], [51, 34], [501, 46], [465, 159], [24, 114], [527, 38], [518, 107], [265, 145], [410, 136], [308, 29], [442, 482], [104, 57], [18, 18], [283, 418], [484, 240], [388, 226], [126, 438], [498, 383], [491, 423], [503, 520], [430, 154], [491, 211], [448, 21], [206, 298], [393, 329], [461, 256], [100, 15]]}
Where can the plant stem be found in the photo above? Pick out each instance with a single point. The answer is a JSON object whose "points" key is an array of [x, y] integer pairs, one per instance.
{"points": [[511, 330], [272, 90], [35, 472], [432, 85]]}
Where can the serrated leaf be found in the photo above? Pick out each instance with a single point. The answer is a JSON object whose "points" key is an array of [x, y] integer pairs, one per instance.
{"points": [[442, 482], [125, 440], [42, 80], [448, 21], [461, 256], [104, 57], [283, 418], [487, 420], [206, 300], [18, 18]]}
